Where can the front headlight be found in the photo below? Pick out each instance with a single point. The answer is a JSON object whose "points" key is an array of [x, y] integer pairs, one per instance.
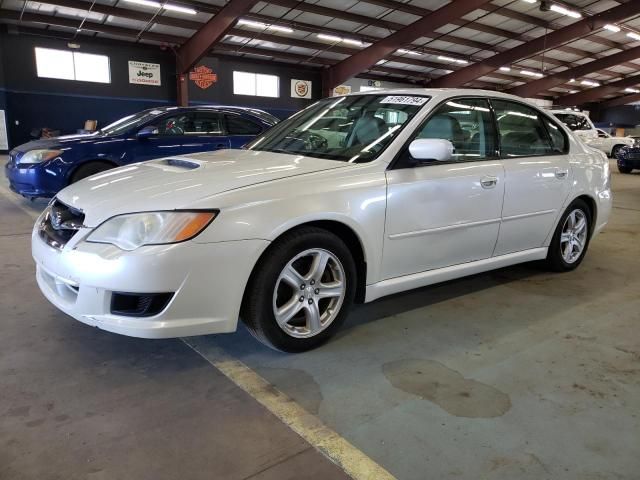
{"points": [[134, 230], [39, 156]]}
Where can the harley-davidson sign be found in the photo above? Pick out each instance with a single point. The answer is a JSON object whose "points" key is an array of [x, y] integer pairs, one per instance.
{"points": [[203, 76]]}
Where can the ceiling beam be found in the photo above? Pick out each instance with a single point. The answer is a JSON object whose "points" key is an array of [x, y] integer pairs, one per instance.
{"points": [[624, 100], [194, 49], [576, 30], [551, 81], [90, 26], [364, 59], [597, 93]]}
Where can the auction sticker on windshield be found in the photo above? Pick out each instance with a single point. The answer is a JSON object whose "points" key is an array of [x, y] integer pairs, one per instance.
{"points": [[405, 100]]}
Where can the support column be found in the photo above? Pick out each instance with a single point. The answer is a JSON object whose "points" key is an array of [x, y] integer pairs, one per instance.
{"points": [[183, 90]]}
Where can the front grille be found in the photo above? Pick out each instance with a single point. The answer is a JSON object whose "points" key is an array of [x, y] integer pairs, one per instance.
{"points": [[59, 224], [139, 304]]}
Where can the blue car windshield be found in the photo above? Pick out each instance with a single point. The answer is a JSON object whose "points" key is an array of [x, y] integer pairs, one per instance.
{"points": [[351, 129], [129, 122]]}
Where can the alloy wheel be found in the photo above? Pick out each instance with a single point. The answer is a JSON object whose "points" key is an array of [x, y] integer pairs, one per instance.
{"points": [[574, 236], [309, 293]]}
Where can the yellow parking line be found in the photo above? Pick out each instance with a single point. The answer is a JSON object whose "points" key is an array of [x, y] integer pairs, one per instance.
{"points": [[355, 463]]}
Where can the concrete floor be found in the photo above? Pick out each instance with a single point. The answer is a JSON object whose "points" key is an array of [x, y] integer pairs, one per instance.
{"points": [[517, 373]]}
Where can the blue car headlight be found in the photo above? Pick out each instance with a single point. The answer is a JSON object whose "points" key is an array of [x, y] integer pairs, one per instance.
{"points": [[33, 157]]}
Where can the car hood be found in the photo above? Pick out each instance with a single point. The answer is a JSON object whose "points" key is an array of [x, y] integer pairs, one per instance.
{"points": [[177, 182], [58, 142]]}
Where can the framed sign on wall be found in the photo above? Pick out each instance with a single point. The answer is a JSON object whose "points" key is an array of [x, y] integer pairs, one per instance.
{"points": [[143, 73], [300, 88]]}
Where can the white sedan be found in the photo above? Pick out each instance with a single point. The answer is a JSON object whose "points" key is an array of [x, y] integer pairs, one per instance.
{"points": [[427, 185]]}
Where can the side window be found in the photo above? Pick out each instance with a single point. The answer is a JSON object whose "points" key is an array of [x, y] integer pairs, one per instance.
{"points": [[558, 139], [467, 124], [172, 125], [204, 123], [522, 131], [238, 125]]}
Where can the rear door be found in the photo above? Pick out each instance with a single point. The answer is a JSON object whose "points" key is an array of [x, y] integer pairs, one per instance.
{"points": [[240, 129], [534, 152]]}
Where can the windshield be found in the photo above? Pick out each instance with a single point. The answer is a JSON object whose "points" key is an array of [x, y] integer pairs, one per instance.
{"points": [[574, 122], [131, 121], [353, 129]]}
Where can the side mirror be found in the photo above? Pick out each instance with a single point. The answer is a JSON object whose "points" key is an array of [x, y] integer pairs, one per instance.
{"points": [[147, 132], [431, 149]]}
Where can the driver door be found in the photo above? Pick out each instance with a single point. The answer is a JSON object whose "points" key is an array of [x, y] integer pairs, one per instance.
{"points": [[446, 213]]}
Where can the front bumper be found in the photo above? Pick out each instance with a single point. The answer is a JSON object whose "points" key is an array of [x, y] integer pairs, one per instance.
{"points": [[629, 157], [33, 180], [208, 281]]}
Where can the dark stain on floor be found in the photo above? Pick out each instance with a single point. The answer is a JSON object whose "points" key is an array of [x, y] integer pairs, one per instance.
{"points": [[459, 396]]}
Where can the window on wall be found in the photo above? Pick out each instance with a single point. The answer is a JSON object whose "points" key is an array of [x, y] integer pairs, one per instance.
{"points": [[256, 84], [66, 65]]}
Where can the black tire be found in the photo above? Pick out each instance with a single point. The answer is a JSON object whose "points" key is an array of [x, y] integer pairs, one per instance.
{"points": [[555, 260], [615, 150], [624, 169], [257, 312], [90, 168]]}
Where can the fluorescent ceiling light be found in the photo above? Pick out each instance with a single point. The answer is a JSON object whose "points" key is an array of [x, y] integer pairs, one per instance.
{"points": [[408, 52], [279, 28], [612, 28], [251, 23], [565, 11], [632, 90], [146, 3], [331, 38], [634, 35], [505, 69], [176, 8], [357, 43], [334, 38], [573, 91], [451, 59], [530, 1], [590, 83], [529, 73], [572, 80]]}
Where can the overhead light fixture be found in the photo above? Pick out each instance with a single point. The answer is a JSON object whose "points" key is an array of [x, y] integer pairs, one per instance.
{"points": [[73, 45], [335, 38], [573, 91], [166, 6], [505, 69], [146, 3], [572, 80], [632, 90], [612, 28], [529, 73], [634, 35], [381, 62], [408, 52], [176, 8], [451, 59], [565, 11], [264, 26], [530, 1], [590, 83]]}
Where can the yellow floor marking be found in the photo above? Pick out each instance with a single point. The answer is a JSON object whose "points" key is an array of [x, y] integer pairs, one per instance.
{"points": [[355, 463]]}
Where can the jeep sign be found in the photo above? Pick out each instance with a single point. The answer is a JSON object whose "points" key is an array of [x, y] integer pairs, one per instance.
{"points": [[143, 73]]}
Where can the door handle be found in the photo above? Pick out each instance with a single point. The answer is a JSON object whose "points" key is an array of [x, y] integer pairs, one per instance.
{"points": [[561, 174], [488, 182]]}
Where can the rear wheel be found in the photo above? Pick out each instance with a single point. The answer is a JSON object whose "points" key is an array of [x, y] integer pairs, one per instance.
{"points": [[90, 168], [571, 238], [301, 291]]}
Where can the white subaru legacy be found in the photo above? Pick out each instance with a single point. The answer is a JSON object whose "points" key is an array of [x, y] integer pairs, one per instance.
{"points": [[354, 198]]}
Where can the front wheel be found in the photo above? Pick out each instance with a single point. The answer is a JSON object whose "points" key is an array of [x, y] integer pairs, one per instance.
{"points": [[88, 169], [571, 238], [624, 169], [615, 150], [301, 291]]}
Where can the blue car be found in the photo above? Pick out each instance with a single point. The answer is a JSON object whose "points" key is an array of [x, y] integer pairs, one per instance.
{"points": [[628, 158], [41, 168]]}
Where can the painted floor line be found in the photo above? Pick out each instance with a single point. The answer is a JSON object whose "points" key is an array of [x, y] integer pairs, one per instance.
{"points": [[355, 463]]}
